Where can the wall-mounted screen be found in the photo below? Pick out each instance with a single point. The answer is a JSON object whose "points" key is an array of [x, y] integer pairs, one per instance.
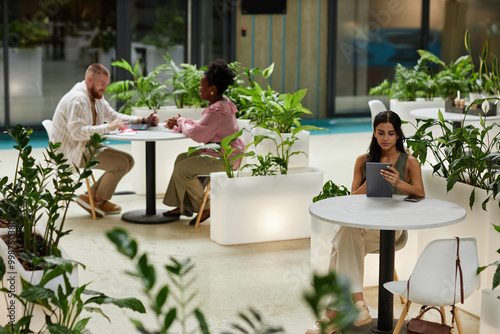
{"points": [[263, 6]]}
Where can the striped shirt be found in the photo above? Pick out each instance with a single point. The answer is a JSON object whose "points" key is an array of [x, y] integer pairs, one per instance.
{"points": [[72, 121]]}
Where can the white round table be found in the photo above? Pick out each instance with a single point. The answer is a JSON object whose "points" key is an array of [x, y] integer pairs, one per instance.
{"points": [[153, 133], [386, 215], [457, 119]]}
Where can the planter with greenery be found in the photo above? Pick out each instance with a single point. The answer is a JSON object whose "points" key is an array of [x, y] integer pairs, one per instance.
{"points": [[282, 199], [35, 205], [464, 170]]}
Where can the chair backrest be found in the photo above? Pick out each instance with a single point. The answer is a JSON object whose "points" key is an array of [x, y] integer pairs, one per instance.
{"points": [[47, 124], [433, 279], [376, 106]]}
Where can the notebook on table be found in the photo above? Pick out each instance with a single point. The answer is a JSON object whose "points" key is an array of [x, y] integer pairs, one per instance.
{"points": [[376, 185]]}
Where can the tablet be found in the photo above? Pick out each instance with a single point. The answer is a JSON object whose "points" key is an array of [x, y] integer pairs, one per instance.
{"points": [[376, 185], [137, 126]]}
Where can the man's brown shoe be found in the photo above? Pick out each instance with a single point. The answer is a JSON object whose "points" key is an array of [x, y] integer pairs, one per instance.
{"points": [[84, 202], [110, 208]]}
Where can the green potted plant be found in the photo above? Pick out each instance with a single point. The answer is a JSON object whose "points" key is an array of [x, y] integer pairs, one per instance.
{"points": [[412, 88], [464, 164], [142, 91], [483, 83], [40, 191], [185, 82]]}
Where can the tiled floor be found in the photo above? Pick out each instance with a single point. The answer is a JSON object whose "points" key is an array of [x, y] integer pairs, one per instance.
{"points": [[270, 277]]}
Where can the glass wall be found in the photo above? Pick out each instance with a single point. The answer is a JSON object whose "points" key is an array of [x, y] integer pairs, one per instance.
{"points": [[375, 35], [51, 42], [159, 28]]}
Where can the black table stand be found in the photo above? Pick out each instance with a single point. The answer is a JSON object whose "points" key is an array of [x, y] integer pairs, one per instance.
{"points": [[150, 215]]}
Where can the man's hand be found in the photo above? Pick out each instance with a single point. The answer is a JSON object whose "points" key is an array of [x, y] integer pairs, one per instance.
{"points": [[153, 119], [117, 123]]}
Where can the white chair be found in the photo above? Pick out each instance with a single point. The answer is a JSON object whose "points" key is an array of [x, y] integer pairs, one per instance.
{"points": [[376, 106], [47, 124], [432, 281]]}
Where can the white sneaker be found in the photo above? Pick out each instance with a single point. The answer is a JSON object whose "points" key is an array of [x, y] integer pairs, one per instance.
{"points": [[364, 317], [316, 328]]}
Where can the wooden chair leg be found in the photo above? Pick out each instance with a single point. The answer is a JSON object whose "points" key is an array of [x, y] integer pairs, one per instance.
{"points": [[202, 206], [91, 198], [402, 317], [441, 308], [460, 329], [396, 278]]}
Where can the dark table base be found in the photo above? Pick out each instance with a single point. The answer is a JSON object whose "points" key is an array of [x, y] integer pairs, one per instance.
{"points": [[140, 217], [372, 328]]}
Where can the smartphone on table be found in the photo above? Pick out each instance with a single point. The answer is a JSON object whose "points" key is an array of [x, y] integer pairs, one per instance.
{"points": [[414, 198]]}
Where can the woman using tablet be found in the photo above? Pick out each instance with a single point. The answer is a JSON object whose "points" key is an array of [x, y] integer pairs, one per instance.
{"points": [[350, 245]]}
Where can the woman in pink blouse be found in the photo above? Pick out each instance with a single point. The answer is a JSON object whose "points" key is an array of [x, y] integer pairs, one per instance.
{"points": [[218, 120]]}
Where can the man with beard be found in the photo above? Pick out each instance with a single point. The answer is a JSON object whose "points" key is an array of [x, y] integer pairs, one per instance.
{"points": [[82, 112]]}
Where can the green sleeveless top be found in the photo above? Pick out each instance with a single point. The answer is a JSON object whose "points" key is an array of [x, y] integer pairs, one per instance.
{"points": [[400, 167]]}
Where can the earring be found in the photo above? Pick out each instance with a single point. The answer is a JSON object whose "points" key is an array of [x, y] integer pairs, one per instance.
{"points": [[211, 93]]}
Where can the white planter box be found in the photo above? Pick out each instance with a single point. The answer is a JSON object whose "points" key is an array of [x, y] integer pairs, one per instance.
{"points": [[477, 224], [262, 208], [12, 281], [321, 247], [490, 311], [403, 108], [25, 72]]}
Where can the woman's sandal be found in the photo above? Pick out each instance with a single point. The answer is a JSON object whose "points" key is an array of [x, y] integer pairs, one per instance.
{"points": [[204, 216]]}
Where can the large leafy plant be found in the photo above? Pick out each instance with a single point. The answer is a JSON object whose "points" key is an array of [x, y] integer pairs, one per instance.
{"points": [[240, 93], [142, 90], [42, 189], [185, 82], [464, 154], [484, 81], [409, 84]]}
